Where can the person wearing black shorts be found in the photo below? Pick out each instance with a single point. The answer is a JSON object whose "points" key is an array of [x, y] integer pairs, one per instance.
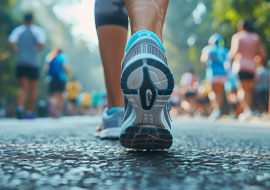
{"points": [[56, 69], [246, 52], [27, 40]]}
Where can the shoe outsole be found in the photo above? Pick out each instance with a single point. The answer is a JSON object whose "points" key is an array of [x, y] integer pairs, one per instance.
{"points": [[146, 138], [147, 135]]}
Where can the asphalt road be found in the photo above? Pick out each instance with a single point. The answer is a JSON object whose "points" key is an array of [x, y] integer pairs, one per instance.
{"points": [[63, 154]]}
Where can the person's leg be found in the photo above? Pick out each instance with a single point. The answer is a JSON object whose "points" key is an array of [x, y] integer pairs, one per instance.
{"points": [[231, 98], [52, 103], [245, 92], [112, 26], [216, 98], [22, 93], [60, 102], [147, 15], [112, 41], [33, 87], [218, 89], [212, 97]]}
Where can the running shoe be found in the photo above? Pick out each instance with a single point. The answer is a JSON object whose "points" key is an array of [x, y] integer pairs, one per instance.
{"points": [[19, 113], [111, 124], [147, 84], [215, 115], [29, 115], [245, 115]]}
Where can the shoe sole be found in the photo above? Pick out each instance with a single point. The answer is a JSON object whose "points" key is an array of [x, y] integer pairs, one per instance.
{"points": [[109, 134], [147, 84]]}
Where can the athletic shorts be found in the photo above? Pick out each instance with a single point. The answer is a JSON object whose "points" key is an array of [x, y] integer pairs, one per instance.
{"points": [[74, 101], [243, 75], [111, 12], [190, 94], [56, 85], [29, 72]]}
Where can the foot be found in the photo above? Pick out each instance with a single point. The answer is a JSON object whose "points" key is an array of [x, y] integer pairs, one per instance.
{"points": [[19, 113], [147, 84], [215, 115], [111, 124], [29, 115], [245, 115]]}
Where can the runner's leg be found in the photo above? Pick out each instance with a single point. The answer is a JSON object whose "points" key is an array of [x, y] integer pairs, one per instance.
{"points": [[23, 89], [147, 15], [112, 41], [33, 87], [112, 35], [111, 23]]}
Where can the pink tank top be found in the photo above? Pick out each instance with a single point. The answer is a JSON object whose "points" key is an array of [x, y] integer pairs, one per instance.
{"points": [[247, 48]]}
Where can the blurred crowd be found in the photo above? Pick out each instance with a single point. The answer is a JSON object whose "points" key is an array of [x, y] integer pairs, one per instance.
{"points": [[236, 80]]}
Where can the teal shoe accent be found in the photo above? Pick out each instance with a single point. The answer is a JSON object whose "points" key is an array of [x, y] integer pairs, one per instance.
{"points": [[142, 33], [115, 109]]}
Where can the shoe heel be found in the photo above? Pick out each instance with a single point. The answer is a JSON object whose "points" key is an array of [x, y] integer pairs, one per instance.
{"points": [[147, 84]]}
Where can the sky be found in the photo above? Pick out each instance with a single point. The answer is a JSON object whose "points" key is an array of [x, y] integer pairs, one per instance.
{"points": [[81, 16]]}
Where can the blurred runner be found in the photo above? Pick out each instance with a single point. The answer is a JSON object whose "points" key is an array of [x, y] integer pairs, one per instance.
{"points": [[146, 80], [189, 85], [174, 100], [56, 68], [213, 58], [73, 88], [261, 89], [96, 103], [230, 87], [85, 102], [246, 50], [203, 98], [27, 40]]}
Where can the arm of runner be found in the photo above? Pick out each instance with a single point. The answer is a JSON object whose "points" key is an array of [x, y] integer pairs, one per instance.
{"points": [[234, 47], [204, 57], [261, 54], [40, 36], [65, 63], [14, 37]]}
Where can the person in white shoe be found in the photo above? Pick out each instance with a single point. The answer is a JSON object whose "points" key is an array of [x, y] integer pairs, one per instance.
{"points": [[146, 80], [111, 19], [246, 52], [27, 40]]}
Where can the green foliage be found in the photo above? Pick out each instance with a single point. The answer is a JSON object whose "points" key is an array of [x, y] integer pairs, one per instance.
{"points": [[7, 61], [228, 12]]}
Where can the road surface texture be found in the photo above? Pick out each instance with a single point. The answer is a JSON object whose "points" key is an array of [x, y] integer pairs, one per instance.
{"points": [[63, 154]]}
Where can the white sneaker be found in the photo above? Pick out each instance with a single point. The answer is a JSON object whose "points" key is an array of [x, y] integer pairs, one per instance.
{"points": [[111, 124], [215, 114], [245, 115], [147, 84]]}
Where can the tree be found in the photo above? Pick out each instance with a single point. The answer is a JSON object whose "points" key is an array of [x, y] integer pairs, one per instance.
{"points": [[7, 62]]}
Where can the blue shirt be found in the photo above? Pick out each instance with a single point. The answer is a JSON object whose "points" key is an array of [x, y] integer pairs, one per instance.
{"points": [[27, 39], [217, 56], [56, 67]]}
